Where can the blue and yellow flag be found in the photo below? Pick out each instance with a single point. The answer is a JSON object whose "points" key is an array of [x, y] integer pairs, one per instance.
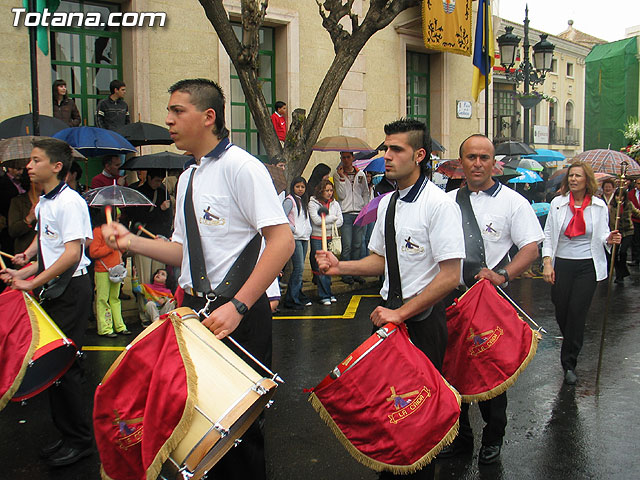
{"points": [[480, 68], [446, 25]]}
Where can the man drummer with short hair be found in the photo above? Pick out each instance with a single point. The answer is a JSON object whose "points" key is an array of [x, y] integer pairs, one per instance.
{"points": [[233, 199], [64, 229], [428, 240], [504, 218]]}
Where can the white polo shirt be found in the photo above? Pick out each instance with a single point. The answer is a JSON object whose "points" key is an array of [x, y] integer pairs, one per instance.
{"points": [[234, 198], [428, 231], [505, 218], [64, 217]]}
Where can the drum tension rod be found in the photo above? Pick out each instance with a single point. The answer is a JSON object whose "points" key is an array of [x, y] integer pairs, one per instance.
{"points": [[259, 389], [221, 430]]}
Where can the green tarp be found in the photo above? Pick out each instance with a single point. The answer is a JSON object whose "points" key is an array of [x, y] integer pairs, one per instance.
{"points": [[611, 93]]}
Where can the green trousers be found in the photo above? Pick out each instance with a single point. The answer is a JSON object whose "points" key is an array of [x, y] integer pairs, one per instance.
{"points": [[108, 305]]}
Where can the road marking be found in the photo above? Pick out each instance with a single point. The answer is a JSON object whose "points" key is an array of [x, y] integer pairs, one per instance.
{"points": [[349, 313]]}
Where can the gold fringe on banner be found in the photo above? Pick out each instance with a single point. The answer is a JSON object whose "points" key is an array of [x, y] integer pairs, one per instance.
{"points": [[375, 464], [446, 25], [494, 392]]}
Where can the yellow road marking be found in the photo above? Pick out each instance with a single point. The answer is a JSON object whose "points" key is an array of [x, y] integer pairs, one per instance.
{"points": [[350, 311]]}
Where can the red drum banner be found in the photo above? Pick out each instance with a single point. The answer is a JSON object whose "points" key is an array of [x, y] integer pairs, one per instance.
{"points": [[489, 345], [388, 405], [144, 406], [18, 341]]}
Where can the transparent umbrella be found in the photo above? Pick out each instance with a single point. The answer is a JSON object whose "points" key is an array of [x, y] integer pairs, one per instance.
{"points": [[117, 196]]}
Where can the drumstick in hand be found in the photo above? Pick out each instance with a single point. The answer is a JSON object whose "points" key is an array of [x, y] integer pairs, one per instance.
{"points": [[323, 213], [8, 255], [139, 226]]}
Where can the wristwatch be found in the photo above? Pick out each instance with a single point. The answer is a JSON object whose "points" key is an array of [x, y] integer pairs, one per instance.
{"points": [[241, 308], [504, 273]]}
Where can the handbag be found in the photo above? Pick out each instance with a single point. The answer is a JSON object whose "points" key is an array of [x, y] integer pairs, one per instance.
{"points": [[117, 273], [335, 245]]}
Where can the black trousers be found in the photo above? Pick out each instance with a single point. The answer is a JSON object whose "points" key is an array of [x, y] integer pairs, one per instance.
{"points": [[70, 413], [430, 336], [572, 294], [245, 461], [635, 244]]}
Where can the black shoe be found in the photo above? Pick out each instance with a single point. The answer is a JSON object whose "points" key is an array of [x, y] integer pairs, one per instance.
{"points": [[458, 447], [360, 280], [48, 450], [68, 455], [108, 335], [293, 306], [619, 281], [124, 296], [570, 377], [348, 281], [489, 454]]}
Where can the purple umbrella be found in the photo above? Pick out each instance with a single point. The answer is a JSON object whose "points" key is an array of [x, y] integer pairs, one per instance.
{"points": [[369, 212]]}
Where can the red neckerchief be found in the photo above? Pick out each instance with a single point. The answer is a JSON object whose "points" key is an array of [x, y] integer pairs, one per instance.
{"points": [[577, 226]]}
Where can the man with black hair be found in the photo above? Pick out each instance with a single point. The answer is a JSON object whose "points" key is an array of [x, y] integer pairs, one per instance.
{"points": [[279, 120], [64, 230], [113, 112], [110, 174], [428, 237], [232, 199]]}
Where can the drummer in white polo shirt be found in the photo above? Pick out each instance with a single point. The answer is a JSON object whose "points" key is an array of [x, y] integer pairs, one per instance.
{"points": [[64, 230], [429, 243], [505, 218], [233, 199]]}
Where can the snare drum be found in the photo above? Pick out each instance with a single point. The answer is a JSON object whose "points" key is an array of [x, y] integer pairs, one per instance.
{"points": [[230, 397], [54, 355]]}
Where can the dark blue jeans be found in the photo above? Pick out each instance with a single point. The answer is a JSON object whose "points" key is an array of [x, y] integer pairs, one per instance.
{"points": [[324, 281], [352, 236], [295, 280]]}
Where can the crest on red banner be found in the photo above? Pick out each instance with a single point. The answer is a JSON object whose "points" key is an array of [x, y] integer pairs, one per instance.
{"points": [[389, 406], [488, 346], [18, 341], [140, 418]]}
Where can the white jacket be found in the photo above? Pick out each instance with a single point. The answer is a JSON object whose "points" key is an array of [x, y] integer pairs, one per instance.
{"points": [[298, 221], [352, 196], [335, 216], [600, 221]]}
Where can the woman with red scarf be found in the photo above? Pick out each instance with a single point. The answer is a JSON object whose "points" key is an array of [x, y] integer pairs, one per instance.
{"points": [[575, 237]]}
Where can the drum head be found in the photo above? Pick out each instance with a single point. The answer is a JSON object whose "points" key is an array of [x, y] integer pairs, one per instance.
{"points": [[48, 365]]}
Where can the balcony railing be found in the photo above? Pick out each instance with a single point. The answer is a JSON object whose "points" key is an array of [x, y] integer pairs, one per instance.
{"points": [[557, 136]]}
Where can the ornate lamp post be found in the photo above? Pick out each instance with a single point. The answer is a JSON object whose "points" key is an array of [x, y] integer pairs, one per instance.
{"points": [[527, 73]]}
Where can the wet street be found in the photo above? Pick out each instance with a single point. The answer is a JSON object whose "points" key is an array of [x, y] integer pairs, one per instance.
{"points": [[555, 432]]}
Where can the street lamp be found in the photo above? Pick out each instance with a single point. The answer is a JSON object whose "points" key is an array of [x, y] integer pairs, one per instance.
{"points": [[530, 75]]}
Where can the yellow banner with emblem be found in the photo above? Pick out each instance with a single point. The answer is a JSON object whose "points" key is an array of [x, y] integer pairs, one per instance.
{"points": [[446, 25]]}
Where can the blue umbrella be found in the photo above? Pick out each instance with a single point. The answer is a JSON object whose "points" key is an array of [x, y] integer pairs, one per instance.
{"points": [[526, 176], [541, 208], [376, 165], [546, 155], [94, 142]]}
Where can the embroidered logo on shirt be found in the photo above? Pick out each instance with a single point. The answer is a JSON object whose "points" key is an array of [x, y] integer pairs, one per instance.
{"points": [[490, 231], [49, 233], [411, 248], [407, 403], [208, 218]]}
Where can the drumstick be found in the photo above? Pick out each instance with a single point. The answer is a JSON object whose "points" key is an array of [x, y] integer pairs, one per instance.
{"points": [[139, 226], [517, 307], [323, 213], [8, 255], [2, 264]]}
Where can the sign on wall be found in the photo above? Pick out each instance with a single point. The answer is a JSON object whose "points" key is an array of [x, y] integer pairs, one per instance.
{"points": [[463, 109]]}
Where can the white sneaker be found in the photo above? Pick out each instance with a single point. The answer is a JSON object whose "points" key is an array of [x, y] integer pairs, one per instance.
{"points": [[334, 299], [308, 304], [325, 301]]}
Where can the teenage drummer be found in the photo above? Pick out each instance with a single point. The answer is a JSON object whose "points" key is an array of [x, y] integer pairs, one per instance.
{"points": [[233, 198], [502, 218], [429, 244], [64, 230]]}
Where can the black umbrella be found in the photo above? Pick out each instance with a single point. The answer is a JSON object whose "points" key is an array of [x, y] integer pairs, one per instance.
{"points": [[436, 146], [162, 160], [23, 125], [514, 148], [141, 133]]}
